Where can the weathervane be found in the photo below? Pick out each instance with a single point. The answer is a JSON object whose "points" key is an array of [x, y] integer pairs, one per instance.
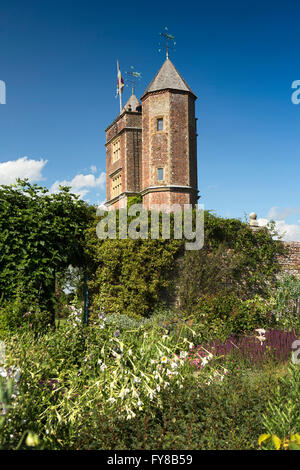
{"points": [[168, 37], [134, 77]]}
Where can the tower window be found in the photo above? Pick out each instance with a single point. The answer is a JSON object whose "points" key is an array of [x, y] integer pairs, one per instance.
{"points": [[160, 174], [116, 150], [116, 185], [160, 124]]}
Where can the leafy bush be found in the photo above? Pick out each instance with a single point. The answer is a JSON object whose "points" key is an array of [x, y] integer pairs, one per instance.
{"points": [[233, 259], [129, 386], [19, 314], [234, 314], [287, 297], [186, 420], [282, 415], [131, 274]]}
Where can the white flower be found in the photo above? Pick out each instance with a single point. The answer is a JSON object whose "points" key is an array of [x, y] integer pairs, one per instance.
{"points": [[164, 359], [183, 354], [173, 365], [103, 366], [139, 403], [261, 331], [111, 400], [204, 361], [158, 388], [3, 372], [129, 352], [261, 339], [191, 345]]}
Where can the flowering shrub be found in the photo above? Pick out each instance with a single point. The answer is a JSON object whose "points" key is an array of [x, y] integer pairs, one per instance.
{"points": [[78, 369], [107, 386]]}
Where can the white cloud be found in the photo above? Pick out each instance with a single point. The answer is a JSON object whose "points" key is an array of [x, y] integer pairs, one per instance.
{"points": [[276, 214], [290, 232], [81, 184], [21, 168], [93, 169]]}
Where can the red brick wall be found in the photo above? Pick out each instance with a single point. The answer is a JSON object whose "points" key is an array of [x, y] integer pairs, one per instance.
{"points": [[166, 197], [173, 148], [127, 128], [179, 139]]}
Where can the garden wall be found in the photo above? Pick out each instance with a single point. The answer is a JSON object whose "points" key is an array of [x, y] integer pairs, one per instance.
{"points": [[291, 262]]}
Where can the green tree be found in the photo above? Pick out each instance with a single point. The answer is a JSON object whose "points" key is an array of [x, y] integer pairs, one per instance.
{"points": [[40, 235]]}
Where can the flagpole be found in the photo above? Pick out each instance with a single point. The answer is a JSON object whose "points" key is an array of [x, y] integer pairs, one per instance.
{"points": [[119, 85]]}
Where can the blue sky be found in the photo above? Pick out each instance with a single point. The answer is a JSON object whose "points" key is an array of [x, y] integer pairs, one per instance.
{"points": [[58, 60]]}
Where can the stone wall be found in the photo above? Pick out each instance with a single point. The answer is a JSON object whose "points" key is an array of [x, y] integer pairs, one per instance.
{"points": [[291, 262]]}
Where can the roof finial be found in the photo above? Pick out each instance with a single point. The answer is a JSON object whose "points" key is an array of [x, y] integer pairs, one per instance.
{"points": [[134, 77], [168, 37]]}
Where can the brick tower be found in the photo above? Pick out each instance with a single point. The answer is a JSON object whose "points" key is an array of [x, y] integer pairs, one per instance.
{"points": [[124, 155], [169, 153], [151, 148]]}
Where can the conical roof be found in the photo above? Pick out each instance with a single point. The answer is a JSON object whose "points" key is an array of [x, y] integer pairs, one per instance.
{"points": [[167, 78], [132, 104]]}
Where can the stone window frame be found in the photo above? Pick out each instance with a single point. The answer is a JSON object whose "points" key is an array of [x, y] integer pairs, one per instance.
{"points": [[157, 118], [116, 152], [116, 184], [163, 173]]}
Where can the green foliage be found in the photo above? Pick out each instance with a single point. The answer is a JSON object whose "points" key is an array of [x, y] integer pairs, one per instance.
{"points": [[287, 297], [126, 386], [129, 275], [74, 370], [187, 420], [233, 258], [134, 200], [40, 235], [288, 443], [100, 388], [233, 314], [22, 313], [282, 415]]}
